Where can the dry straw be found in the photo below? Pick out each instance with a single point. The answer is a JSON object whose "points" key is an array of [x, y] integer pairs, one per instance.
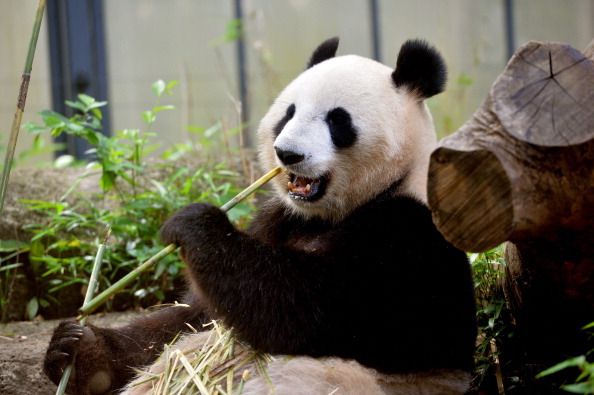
{"points": [[219, 366]]}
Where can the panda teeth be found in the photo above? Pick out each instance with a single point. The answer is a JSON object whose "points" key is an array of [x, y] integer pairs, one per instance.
{"points": [[306, 189], [300, 190]]}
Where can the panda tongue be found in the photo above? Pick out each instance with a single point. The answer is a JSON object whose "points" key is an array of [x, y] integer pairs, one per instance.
{"points": [[301, 185]]}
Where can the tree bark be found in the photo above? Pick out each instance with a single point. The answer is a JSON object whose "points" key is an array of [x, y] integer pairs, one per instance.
{"points": [[521, 167], [522, 170]]}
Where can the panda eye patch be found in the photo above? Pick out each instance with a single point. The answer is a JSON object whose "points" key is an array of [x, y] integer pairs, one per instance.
{"points": [[342, 131], [288, 116], [338, 116]]}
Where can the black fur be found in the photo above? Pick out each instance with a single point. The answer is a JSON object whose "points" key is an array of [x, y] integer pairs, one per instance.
{"points": [[342, 131], [382, 286], [420, 68], [324, 51], [278, 128]]}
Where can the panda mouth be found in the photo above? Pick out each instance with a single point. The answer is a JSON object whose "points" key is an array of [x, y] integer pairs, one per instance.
{"points": [[307, 189]]}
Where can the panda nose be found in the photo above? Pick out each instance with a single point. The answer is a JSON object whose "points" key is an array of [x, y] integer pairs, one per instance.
{"points": [[288, 157]]}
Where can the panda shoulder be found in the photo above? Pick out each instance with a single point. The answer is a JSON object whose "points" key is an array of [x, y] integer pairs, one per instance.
{"points": [[402, 215]]}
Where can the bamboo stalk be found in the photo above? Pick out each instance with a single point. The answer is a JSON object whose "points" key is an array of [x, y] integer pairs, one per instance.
{"points": [[92, 287], [251, 189], [103, 296], [18, 115], [88, 308]]}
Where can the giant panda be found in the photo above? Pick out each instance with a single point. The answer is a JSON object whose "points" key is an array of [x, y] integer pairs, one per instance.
{"points": [[341, 268]]}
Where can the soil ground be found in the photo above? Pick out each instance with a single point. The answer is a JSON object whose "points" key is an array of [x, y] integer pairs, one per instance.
{"points": [[22, 349]]}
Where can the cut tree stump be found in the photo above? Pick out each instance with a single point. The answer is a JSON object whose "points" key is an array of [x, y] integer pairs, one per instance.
{"points": [[522, 170]]}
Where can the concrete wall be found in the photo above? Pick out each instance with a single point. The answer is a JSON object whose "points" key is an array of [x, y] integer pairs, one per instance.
{"points": [[174, 40]]}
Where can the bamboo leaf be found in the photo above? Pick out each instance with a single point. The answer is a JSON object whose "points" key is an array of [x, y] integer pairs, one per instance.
{"points": [[12, 245], [590, 325], [171, 85], [32, 308], [572, 362], [579, 388], [159, 88], [149, 117], [11, 266], [77, 105], [161, 108]]}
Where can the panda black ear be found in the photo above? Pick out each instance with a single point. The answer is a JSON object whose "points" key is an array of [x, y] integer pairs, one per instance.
{"points": [[420, 68], [324, 51]]}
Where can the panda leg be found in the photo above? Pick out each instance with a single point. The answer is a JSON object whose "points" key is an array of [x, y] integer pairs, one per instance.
{"points": [[305, 375]]}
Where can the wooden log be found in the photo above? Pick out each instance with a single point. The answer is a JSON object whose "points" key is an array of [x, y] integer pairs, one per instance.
{"points": [[522, 170], [521, 167]]}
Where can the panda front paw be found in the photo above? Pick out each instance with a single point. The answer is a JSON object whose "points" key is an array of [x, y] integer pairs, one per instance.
{"points": [[195, 223], [73, 343], [63, 346]]}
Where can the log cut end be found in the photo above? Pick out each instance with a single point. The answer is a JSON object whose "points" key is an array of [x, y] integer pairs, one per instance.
{"points": [[544, 96], [478, 179]]}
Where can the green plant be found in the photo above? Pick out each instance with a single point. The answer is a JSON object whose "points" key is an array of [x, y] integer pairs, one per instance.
{"points": [[137, 195], [584, 383], [10, 249], [488, 268]]}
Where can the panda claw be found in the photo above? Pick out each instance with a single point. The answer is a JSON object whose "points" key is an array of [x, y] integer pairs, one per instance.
{"points": [[78, 332], [67, 342], [56, 356]]}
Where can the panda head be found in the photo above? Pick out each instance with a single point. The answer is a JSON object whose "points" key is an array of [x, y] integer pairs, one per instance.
{"points": [[348, 128]]}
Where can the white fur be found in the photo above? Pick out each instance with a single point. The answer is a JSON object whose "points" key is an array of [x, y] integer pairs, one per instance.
{"points": [[310, 376], [395, 135]]}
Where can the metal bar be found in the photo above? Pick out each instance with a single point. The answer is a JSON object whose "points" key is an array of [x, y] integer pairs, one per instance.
{"points": [[77, 59], [375, 29], [242, 74], [510, 28]]}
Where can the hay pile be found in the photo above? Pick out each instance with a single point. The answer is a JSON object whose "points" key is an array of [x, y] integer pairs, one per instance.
{"points": [[212, 362]]}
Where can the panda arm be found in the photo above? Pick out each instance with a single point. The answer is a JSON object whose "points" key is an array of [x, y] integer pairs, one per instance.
{"points": [[386, 262], [272, 296]]}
